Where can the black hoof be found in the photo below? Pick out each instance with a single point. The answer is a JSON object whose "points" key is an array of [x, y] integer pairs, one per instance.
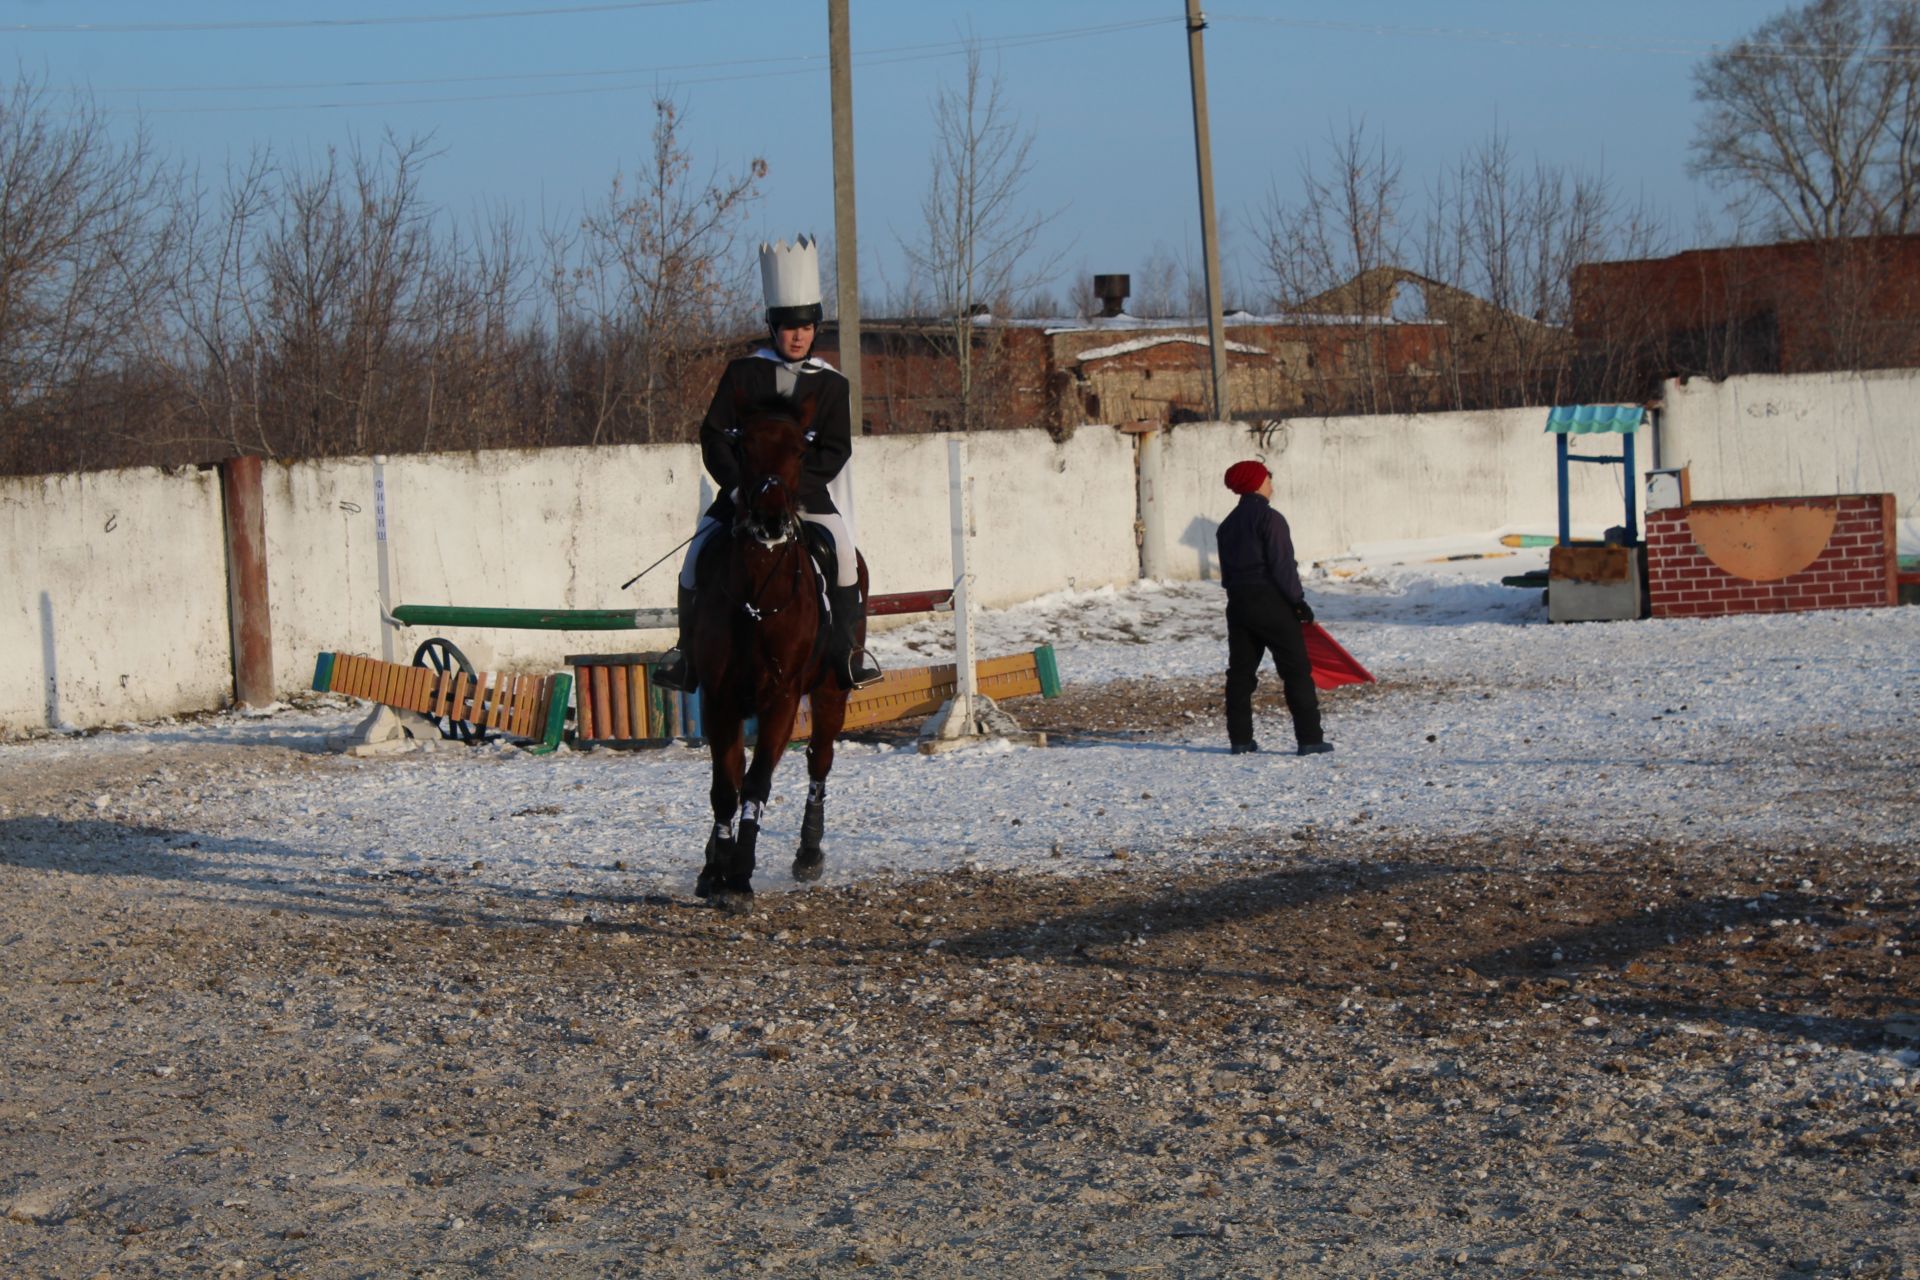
{"points": [[713, 874], [809, 865]]}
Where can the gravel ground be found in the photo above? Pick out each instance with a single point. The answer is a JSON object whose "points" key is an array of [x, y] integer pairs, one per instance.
{"points": [[1328, 1052]]}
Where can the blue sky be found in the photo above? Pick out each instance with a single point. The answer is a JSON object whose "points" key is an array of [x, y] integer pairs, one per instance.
{"points": [[524, 121]]}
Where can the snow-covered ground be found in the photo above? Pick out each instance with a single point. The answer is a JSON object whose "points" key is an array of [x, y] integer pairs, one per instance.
{"points": [[1792, 730]]}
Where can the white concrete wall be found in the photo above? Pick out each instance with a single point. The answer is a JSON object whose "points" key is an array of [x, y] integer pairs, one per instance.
{"points": [[1047, 516], [118, 607], [547, 529], [116, 598], [1801, 434], [1356, 482], [563, 528]]}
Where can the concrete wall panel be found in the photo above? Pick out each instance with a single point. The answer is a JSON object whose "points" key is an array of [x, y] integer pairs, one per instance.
{"points": [[1047, 515], [1356, 482], [557, 528], [117, 607], [1800, 435]]}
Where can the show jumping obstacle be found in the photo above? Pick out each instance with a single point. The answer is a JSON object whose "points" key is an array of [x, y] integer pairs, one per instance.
{"points": [[618, 703], [529, 707], [620, 706]]}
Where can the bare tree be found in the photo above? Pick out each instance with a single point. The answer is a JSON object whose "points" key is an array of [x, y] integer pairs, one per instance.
{"points": [[1813, 121], [1510, 232], [85, 232], [1333, 249], [976, 249], [649, 281]]}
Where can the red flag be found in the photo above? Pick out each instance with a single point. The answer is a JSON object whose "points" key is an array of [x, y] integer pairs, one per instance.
{"points": [[1333, 666]]}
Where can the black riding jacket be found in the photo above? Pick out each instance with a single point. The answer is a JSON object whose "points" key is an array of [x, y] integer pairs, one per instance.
{"points": [[750, 380]]}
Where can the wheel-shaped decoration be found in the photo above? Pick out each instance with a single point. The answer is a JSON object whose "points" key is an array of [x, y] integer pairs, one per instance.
{"points": [[440, 656]]}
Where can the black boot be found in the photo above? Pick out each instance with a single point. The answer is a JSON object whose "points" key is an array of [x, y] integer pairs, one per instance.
{"points": [[853, 665], [676, 665]]}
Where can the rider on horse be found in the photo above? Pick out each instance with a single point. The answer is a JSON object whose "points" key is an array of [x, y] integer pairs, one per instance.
{"points": [[790, 282]]}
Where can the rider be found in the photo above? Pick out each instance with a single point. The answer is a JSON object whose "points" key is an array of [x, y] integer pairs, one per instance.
{"points": [[790, 283]]}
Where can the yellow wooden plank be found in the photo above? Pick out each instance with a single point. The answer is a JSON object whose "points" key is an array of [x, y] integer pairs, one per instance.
{"points": [[637, 699], [525, 696], [477, 710]]}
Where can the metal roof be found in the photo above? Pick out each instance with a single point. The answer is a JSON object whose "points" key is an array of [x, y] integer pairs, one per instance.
{"points": [[1595, 419]]}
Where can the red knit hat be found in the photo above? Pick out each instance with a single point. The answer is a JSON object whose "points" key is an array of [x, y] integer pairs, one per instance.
{"points": [[1245, 477]]}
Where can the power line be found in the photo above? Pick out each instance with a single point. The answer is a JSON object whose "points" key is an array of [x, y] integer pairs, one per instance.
{"points": [[1742, 49], [770, 68], [284, 24]]}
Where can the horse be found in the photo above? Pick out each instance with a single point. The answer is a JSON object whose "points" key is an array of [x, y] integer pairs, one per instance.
{"points": [[759, 645]]}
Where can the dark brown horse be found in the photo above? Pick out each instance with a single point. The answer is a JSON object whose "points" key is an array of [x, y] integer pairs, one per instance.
{"points": [[758, 647]]}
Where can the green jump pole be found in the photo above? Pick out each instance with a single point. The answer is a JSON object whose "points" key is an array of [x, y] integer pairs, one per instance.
{"points": [[451, 615]]}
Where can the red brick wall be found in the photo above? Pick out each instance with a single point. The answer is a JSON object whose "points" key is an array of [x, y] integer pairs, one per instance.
{"points": [[1855, 571]]}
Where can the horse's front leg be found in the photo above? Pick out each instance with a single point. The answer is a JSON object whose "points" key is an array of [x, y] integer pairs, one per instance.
{"points": [[776, 730], [829, 716], [727, 743]]}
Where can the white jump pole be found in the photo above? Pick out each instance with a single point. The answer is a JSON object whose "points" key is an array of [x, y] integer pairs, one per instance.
{"points": [[960, 514], [969, 716], [385, 557]]}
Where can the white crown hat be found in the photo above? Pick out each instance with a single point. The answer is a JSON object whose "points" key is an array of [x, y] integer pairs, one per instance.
{"points": [[790, 274]]}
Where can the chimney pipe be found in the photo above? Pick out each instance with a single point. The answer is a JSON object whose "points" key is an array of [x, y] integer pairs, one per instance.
{"points": [[1112, 292]]}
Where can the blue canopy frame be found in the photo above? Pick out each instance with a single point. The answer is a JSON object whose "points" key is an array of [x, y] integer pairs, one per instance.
{"points": [[1622, 420]]}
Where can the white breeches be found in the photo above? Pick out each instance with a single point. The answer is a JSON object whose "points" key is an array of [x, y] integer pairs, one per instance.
{"points": [[846, 567]]}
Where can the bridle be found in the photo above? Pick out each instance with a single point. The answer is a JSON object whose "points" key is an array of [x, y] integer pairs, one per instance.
{"points": [[784, 531]]}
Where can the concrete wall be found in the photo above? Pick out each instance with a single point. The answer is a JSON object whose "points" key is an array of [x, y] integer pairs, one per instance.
{"points": [[1799, 435], [118, 607], [116, 600], [556, 528], [1046, 515], [563, 528], [1353, 482]]}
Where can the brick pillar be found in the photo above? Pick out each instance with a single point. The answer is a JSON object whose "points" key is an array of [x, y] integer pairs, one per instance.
{"points": [[245, 509]]}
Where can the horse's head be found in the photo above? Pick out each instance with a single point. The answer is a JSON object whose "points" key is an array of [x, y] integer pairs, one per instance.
{"points": [[772, 439]]}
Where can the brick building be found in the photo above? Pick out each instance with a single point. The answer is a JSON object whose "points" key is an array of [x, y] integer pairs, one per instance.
{"points": [[1388, 341], [1793, 307]]}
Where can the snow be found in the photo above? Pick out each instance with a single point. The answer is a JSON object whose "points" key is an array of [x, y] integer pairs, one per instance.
{"points": [[1487, 720], [1143, 344]]}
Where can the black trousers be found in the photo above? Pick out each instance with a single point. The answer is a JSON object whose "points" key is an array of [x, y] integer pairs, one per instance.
{"points": [[1260, 621]]}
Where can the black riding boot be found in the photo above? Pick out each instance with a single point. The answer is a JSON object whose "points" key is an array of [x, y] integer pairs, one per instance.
{"points": [[853, 665], [676, 665]]}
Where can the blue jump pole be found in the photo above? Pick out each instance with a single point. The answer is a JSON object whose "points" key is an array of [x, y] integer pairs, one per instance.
{"points": [[1566, 515]]}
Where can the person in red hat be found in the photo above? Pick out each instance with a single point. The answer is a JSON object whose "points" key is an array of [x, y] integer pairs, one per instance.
{"points": [[1266, 608]]}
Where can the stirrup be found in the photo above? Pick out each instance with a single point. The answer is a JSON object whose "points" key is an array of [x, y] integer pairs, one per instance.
{"points": [[674, 672], [859, 669]]}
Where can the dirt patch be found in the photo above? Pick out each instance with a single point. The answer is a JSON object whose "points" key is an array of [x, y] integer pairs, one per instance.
{"points": [[1359, 1057]]}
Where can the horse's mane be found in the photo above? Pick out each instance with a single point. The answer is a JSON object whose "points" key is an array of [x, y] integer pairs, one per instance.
{"points": [[774, 405]]}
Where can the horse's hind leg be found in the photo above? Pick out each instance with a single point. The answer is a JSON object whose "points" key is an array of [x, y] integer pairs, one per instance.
{"points": [[727, 744], [829, 714]]}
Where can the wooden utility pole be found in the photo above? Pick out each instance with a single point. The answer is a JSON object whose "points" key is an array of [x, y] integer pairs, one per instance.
{"points": [[846, 242], [1209, 233]]}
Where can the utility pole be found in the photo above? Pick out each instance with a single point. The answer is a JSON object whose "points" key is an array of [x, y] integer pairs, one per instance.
{"points": [[846, 243], [1209, 233]]}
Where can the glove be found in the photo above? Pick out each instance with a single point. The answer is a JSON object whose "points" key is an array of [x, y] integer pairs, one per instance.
{"points": [[1303, 611]]}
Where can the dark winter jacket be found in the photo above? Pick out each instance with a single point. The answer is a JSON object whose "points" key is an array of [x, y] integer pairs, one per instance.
{"points": [[1256, 550], [750, 380]]}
